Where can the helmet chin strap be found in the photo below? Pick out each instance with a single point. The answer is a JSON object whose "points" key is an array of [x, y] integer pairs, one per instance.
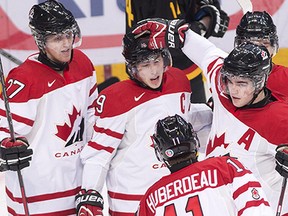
{"points": [[57, 66], [248, 105], [255, 95]]}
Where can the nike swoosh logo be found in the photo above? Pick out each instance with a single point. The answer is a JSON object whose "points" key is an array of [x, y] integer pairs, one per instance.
{"points": [[50, 84], [139, 97]]}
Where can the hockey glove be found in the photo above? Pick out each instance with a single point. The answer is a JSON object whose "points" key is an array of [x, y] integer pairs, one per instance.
{"points": [[210, 2], [163, 33], [14, 155], [219, 19], [89, 203], [282, 160]]}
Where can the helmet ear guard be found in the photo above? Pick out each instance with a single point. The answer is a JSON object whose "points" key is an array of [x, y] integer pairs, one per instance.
{"points": [[167, 58], [156, 148]]}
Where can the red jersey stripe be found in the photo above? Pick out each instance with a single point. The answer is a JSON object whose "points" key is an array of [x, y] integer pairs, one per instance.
{"points": [[244, 188], [135, 197], [108, 132], [100, 147]]}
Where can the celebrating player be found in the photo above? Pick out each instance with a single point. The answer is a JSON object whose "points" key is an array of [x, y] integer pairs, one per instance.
{"points": [[52, 96], [241, 100], [258, 27], [121, 151], [215, 186], [205, 17]]}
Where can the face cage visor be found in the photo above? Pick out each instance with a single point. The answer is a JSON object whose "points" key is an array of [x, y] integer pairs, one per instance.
{"points": [[258, 81], [264, 41], [41, 36], [132, 66]]}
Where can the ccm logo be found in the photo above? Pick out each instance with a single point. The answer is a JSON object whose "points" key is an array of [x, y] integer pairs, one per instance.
{"points": [[171, 31]]}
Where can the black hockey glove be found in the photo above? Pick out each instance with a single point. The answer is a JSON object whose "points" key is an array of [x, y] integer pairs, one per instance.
{"points": [[282, 160], [219, 19], [89, 203], [163, 33], [210, 2], [14, 155]]}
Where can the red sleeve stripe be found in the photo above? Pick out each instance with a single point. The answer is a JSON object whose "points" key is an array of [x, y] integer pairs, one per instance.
{"points": [[211, 65], [100, 147], [44, 197], [17, 118], [244, 188], [64, 212], [108, 132], [4, 130], [253, 204], [127, 197], [93, 89]]}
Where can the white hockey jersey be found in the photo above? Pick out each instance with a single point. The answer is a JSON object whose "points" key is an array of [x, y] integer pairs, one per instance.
{"points": [[219, 186], [251, 135], [54, 113], [122, 145]]}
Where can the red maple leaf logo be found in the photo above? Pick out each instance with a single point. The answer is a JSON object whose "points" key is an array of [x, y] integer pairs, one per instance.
{"points": [[65, 130], [217, 141]]}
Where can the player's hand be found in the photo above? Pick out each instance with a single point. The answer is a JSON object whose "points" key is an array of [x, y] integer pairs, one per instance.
{"points": [[14, 155], [89, 203], [282, 160], [219, 20], [163, 33]]}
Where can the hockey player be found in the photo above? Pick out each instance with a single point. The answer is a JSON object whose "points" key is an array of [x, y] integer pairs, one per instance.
{"points": [[248, 121], [204, 16], [215, 186], [121, 150], [258, 27], [52, 100]]}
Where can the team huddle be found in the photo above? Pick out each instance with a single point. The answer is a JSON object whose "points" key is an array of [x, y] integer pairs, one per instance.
{"points": [[143, 137]]}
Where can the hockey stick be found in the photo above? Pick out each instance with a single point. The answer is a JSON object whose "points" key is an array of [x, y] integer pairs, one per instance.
{"points": [[12, 134], [246, 5], [10, 57], [280, 202]]}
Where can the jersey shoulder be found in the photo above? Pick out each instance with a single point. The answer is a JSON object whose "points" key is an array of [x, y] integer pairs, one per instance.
{"points": [[81, 63], [175, 80], [119, 98]]}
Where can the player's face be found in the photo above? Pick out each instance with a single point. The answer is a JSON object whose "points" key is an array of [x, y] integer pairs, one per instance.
{"points": [[241, 90], [151, 71], [59, 47]]}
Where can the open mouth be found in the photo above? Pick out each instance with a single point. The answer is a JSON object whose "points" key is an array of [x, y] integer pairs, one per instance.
{"points": [[155, 78]]}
